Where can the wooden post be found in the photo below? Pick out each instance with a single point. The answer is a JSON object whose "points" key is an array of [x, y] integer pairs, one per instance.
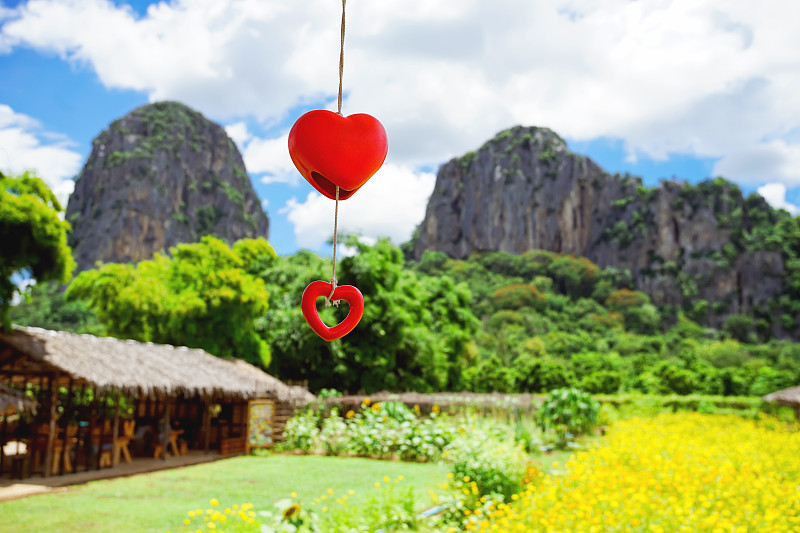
{"points": [[101, 411], [51, 434], [165, 429], [66, 416], [3, 440], [87, 437], [33, 449], [115, 433], [207, 422]]}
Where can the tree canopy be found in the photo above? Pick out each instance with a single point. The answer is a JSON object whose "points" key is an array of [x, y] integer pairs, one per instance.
{"points": [[33, 239], [202, 295]]}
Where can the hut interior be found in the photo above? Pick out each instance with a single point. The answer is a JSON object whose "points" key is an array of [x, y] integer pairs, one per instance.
{"points": [[78, 402]]}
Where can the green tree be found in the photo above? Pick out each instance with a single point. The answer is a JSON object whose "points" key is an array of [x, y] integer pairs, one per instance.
{"points": [[416, 332], [202, 297], [414, 329], [47, 308], [740, 327], [297, 352], [33, 239]]}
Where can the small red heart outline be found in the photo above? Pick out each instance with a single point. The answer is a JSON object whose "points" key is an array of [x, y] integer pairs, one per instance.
{"points": [[330, 150], [348, 293]]}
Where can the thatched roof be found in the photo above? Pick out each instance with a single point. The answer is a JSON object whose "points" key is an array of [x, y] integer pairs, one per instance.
{"points": [[137, 368], [14, 401], [297, 395], [790, 396]]}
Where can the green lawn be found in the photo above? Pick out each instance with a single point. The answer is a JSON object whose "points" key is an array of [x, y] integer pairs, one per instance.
{"points": [[159, 501]]}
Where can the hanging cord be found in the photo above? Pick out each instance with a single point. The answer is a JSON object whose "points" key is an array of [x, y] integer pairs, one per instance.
{"points": [[341, 61], [328, 301]]}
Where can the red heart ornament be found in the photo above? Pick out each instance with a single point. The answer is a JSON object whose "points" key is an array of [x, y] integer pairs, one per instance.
{"points": [[348, 293], [329, 150]]}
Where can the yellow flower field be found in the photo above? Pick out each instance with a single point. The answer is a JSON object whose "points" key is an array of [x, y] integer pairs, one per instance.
{"points": [[673, 473]]}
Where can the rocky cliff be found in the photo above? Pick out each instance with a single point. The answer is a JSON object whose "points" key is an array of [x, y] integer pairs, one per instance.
{"points": [[161, 175], [683, 244]]}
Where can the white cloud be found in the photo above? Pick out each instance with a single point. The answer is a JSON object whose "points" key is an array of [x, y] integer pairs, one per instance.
{"points": [[224, 58], [390, 204], [267, 157], [773, 161], [775, 195], [239, 133], [271, 158], [23, 147], [714, 79]]}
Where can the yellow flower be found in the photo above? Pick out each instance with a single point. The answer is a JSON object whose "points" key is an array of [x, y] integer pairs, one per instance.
{"points": [[435, 409], [350, 414], [187, 521], [211, 525], [416, 408], [366, 401], [376, 407], [351, 492], [330, 491], [291, 511], [214, 502], [386, 479]]}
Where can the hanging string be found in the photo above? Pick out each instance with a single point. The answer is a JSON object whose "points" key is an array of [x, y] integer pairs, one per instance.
{"points": [[328, 301], [341, 61]]}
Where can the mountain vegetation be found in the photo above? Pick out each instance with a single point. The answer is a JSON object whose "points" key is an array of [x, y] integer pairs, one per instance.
{"points": [[706, 251], [492, 322]]}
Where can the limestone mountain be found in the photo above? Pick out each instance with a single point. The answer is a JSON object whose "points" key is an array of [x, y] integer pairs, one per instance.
{"points": [[161, 175], [705, 249]]}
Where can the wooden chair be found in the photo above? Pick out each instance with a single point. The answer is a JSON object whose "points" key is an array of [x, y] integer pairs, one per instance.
{"points": [[65, 447], [173, 443], [128, 434], [105, 458]]}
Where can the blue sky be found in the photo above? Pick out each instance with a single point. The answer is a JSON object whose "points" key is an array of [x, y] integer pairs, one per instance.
{"points": [[670, 90]]}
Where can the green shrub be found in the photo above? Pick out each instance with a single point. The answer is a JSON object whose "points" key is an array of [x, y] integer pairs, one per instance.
{"points": [[301, 432], [380, 430], [602, 382], [334, 435], [568, 413], [496, 466]]}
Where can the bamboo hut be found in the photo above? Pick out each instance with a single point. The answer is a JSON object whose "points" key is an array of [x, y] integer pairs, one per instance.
{"points": [[185, 397], [789, 397]]}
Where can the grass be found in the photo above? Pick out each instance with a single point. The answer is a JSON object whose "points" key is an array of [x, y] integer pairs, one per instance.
{"points": [[159, 501]]}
